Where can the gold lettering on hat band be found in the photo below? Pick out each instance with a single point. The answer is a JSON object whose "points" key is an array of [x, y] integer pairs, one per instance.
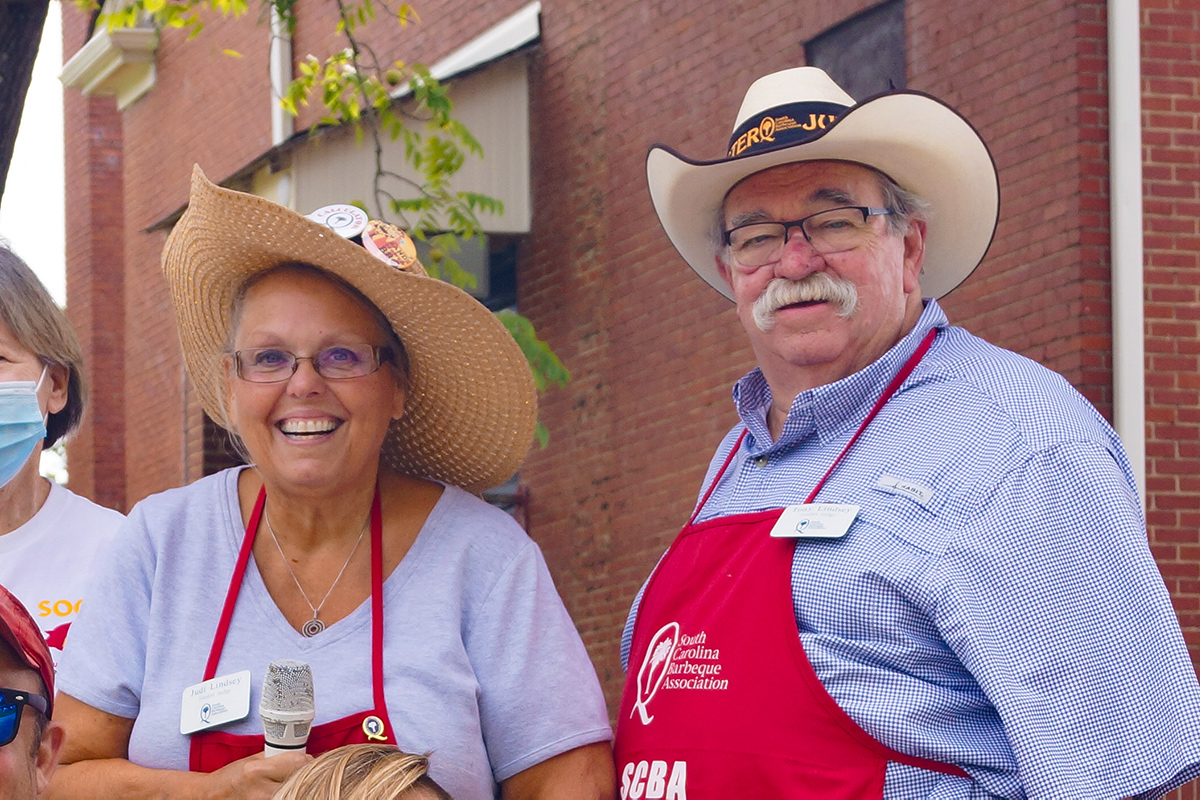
{"points": [[764, 132], [815, 121]]}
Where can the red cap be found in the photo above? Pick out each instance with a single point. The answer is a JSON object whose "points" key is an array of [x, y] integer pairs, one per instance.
{"points": [[23, 636]]}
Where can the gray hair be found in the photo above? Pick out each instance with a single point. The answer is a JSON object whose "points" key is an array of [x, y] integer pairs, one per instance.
{"points": [[905, 206], [41, 327]]}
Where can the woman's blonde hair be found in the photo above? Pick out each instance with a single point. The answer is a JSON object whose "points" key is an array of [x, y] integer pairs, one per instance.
{"points": [[363, 772]]}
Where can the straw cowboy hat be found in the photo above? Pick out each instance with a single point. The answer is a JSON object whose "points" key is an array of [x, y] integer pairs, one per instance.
{"points": [[471, 406], [802, 115]]}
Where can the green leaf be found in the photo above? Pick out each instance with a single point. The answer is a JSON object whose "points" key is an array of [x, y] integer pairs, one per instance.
{"points": [[548, 370]]}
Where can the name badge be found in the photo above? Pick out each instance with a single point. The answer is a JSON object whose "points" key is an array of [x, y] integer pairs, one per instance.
{"points": [[814, 521], [212, 703]]}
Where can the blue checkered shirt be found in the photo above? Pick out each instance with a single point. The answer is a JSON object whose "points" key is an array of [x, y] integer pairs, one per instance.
{"points": [[995, 604]]}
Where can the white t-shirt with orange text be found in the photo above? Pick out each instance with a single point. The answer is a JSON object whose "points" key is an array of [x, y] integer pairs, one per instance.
{"points": [[47, 562]]}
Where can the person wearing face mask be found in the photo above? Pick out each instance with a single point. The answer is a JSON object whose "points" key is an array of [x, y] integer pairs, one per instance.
{"points": [[49, 536]]}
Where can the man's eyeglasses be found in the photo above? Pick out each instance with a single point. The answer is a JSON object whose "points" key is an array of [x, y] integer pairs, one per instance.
{"points": [[12, 703], [832, 231], [271, 365]]}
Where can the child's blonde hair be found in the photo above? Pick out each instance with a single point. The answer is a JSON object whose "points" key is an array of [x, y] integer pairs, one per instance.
{"points": [[363, 772]]}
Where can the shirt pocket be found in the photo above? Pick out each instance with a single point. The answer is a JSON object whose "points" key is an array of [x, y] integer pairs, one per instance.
{"points": [[913, 519]]}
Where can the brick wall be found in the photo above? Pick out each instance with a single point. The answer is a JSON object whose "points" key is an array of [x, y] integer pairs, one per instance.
{"points": [[1171, 148], [95, 280], [211, 109], [1028, 75], [653, 351]]}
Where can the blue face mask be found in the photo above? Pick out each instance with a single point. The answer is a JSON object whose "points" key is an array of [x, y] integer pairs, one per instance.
{"points": [[22, 425]]}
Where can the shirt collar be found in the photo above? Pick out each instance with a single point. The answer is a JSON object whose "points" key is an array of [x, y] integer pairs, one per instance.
{"points": [[827, 410]]}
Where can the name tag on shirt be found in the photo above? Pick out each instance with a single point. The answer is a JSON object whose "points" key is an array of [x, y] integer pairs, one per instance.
{"points": [[212, 703], [814, 521]]}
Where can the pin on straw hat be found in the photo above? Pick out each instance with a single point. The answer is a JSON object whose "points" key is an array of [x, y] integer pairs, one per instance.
{"points": [[801, 115], [471, 406]]}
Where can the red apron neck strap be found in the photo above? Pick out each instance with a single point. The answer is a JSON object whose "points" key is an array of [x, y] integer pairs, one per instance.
{"points": [[894, 386], [235, 586], [377, 603], [717, 479]]}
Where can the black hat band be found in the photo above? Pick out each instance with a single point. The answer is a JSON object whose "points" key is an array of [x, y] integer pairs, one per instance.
{"points": [[783, 125]]}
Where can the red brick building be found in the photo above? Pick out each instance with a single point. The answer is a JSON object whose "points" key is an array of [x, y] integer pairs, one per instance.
{"points": [[652, 350]]}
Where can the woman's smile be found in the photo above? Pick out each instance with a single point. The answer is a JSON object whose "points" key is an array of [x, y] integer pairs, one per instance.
{"points": [[306, 429]]}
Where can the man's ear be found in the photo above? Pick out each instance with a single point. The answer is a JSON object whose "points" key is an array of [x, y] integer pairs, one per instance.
{"points": [[914, 255], [48, 752], [723, 270]]}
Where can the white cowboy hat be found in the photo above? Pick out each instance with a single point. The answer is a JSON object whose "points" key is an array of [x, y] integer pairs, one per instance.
{"points": [[471, 406], [801, 115]]}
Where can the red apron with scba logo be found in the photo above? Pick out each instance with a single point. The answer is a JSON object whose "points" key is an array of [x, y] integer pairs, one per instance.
{"points": [[720, 699], [211, 750]]}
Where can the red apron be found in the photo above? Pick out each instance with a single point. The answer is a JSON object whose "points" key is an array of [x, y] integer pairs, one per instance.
{"points": [[211, 750], [720, 699]]}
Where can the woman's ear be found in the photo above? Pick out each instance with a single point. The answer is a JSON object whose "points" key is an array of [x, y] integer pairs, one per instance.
{"points": [[398, 403], [59, 378], [229, 372]]}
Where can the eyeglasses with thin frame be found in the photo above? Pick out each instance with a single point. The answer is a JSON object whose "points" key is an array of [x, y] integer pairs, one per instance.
{"points": [[12, 704], [272, 365], [834, 230]]}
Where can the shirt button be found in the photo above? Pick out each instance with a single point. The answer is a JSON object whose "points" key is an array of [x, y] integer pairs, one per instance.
{"points": [[761, 461]]}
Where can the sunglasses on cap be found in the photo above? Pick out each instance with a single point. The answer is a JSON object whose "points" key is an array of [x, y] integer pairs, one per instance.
{"points": [[12, 703]]}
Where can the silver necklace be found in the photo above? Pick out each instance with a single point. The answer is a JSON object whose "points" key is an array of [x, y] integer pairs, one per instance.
{"points": [[314, 625]]}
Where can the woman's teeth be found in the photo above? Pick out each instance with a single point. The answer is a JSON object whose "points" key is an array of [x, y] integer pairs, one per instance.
{"points": [[307, 426]]}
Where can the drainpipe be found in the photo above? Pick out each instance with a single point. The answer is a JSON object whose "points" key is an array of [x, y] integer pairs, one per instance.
{"points": [[282, 123], [1125, 210]]}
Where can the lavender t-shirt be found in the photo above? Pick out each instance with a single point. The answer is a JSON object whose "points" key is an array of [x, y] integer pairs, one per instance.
{"points": [[483, 667]]}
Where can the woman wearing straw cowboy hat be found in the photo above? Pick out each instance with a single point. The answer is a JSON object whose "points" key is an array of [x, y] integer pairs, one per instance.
{"points": [[918, 567], [364, 394]]}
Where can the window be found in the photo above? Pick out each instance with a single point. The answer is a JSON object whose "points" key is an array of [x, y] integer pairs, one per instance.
{"points": [[492, 260], [865, 53]]}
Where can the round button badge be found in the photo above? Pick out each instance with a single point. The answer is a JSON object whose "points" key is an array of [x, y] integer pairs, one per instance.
{"points": [[372, 727], [346, 220]]}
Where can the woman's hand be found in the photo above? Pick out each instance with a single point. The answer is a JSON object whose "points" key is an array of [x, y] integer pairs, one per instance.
{"points": [[257, 777], [95, 764]]}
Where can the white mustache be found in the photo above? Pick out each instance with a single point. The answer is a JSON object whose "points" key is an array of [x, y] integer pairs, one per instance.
{"points": [[818, 286]]}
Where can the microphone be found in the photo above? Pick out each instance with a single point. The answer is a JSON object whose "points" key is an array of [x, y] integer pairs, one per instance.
{"points": [[287, 709]]}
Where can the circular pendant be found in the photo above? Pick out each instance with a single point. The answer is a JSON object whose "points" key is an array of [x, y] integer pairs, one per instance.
{"points": [[312, 627]]}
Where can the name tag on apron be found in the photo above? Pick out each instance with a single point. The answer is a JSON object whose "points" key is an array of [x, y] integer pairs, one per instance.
{"points": [[814, 521], [212, 703]]}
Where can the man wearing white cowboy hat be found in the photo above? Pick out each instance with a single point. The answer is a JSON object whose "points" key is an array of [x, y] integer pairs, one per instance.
{"points": [[952, 531]]}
